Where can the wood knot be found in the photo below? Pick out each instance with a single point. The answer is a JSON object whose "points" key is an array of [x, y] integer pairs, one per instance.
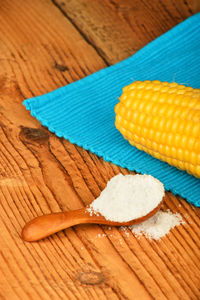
{"points": [[34, 134], [91, 278], [60, 67]]}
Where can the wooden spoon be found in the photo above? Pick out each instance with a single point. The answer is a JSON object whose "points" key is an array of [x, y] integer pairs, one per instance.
{"points": [[46, 225]]}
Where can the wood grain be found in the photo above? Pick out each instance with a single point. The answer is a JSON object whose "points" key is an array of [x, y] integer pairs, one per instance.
{"points": [[118, 28], [45, 45]]}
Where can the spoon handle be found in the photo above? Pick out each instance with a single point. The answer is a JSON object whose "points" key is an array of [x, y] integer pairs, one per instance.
{"points": [[45, 225]]}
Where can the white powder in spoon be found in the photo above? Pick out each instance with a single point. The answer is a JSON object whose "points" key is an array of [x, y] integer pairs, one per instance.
{"points": [[128, 197]]}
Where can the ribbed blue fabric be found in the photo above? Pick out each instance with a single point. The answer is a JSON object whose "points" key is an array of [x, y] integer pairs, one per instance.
{"points": [[83, 112]]}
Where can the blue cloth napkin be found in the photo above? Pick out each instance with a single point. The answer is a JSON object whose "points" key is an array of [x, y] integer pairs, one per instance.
{"points": [[83, 112]]}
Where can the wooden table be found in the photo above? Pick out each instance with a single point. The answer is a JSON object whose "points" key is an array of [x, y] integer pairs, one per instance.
{"points": [[45, 45]]}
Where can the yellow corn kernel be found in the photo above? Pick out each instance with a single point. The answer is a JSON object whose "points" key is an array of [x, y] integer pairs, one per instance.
{"points": [[162, 119]]}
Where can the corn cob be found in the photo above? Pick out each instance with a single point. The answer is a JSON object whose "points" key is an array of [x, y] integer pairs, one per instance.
{"points": [[162, 119]]}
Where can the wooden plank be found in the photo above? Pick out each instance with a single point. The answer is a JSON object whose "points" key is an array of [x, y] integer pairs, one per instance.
{"points": [[41, 50], [118, 28]]}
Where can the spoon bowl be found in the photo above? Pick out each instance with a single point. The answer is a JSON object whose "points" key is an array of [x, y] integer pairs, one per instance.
{"points": [[46, 225]]}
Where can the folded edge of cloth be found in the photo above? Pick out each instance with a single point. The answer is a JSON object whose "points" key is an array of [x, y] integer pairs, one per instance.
{"points": [[83, 111]]}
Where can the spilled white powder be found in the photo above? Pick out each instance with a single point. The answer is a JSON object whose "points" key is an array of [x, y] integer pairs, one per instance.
{"points": [[157, 226], [128, 197], [154, 228]]}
